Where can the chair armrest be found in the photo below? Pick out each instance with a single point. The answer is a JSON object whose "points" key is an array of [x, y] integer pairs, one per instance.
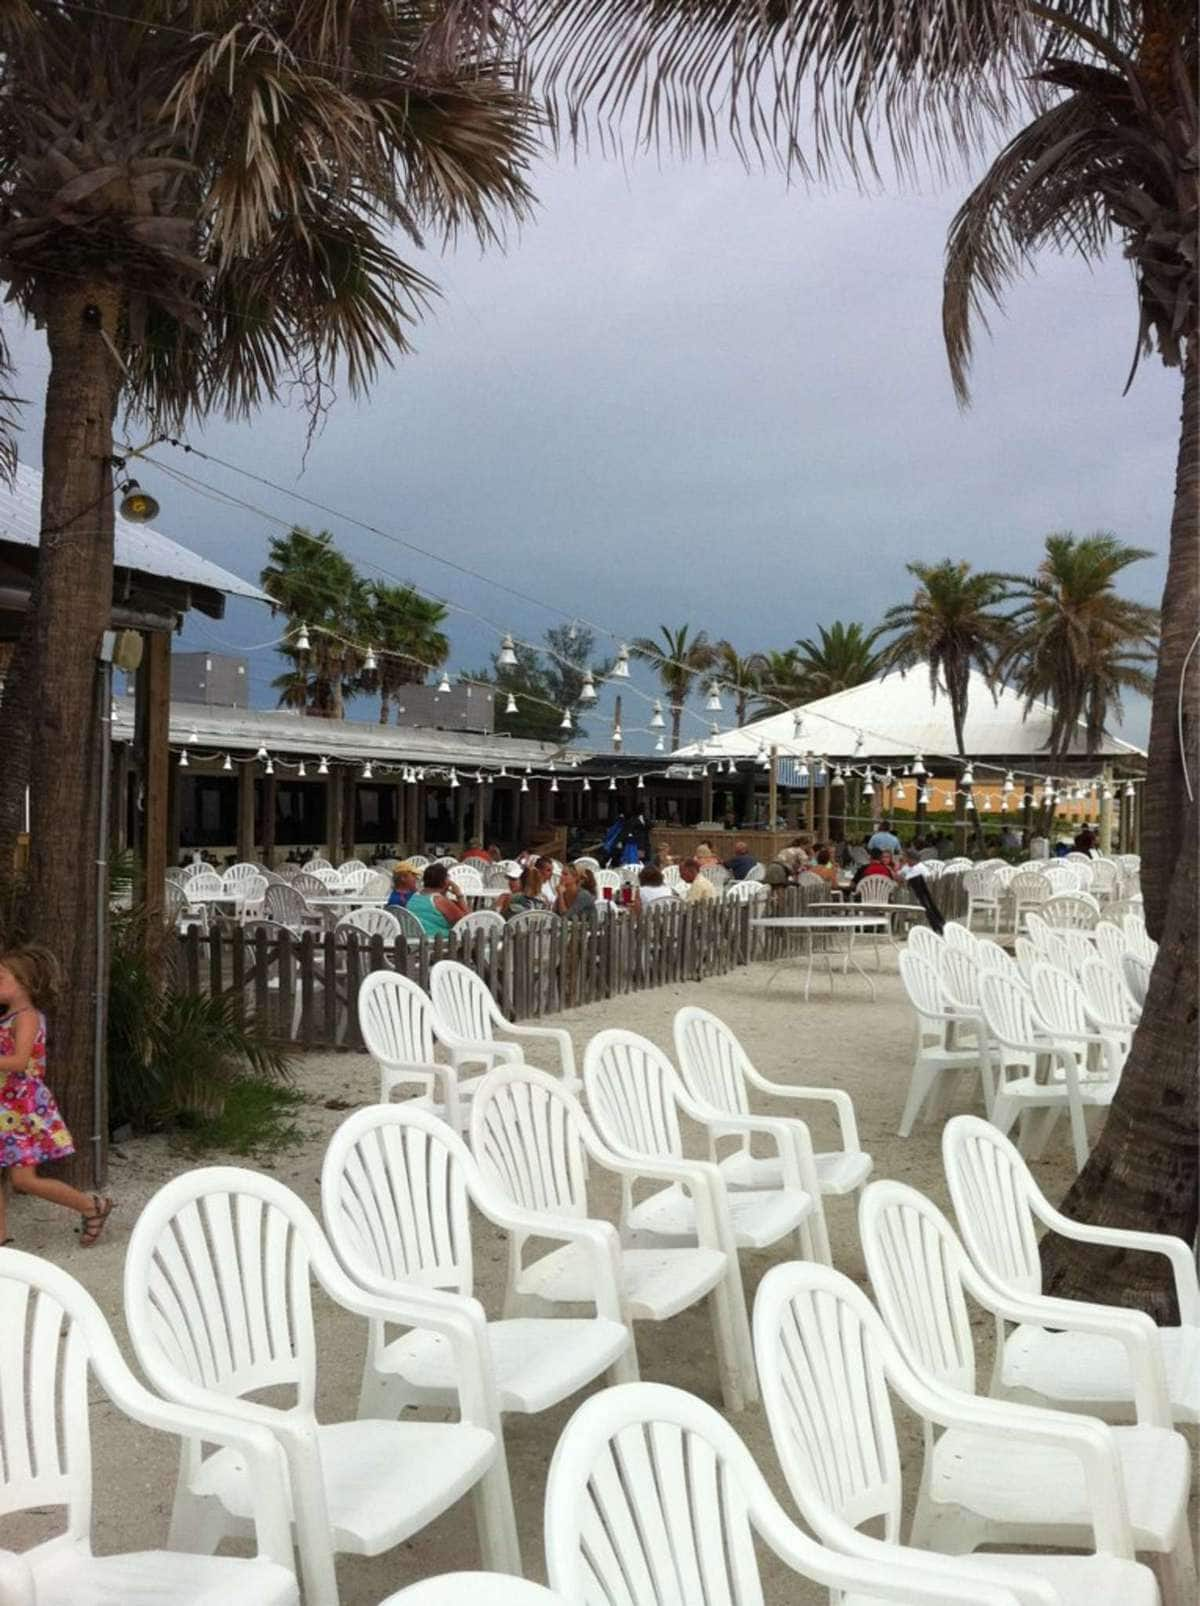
{"points": [[599, 1240], [481, 1048], [1088, 1439], [842, 1102], [1183, 1266], [1132, 1329], [555, 1034], [788, 1133], [953, 1579], [701, 1178]]}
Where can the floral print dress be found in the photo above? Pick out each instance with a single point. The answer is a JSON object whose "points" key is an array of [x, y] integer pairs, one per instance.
{"points": [[31, 1129]]}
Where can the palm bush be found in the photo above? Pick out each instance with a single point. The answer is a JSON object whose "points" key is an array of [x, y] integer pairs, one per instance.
{"points": [[174, 1054]]}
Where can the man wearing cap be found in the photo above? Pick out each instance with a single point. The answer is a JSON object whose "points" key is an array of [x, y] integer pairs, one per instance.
{"points": [[405, 879]]}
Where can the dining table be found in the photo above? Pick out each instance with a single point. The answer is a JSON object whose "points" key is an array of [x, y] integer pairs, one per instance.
{"points": [[850, 921]]}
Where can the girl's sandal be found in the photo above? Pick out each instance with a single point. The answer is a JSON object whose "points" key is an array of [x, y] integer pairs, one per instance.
{"points": [[93, 1225]]}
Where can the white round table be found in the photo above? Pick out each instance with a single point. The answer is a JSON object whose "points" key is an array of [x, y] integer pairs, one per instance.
{"points": [[851, 922]]}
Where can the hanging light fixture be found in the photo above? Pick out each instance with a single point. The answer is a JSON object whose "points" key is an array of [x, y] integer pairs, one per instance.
{"points": [[269, 767], [657, 722], [617, 737], [1129, 792], [918, 766], [713, 705], [587, 785], [565, 723], [838, 778], [858, 741], [797, 726], [444, 684], [823, 769], [510, 706], [888, 778], [261, 755], [1008, 782], [900, 793], [195, 736], [183, 759], [529, 769], [507, 658], [660, 746], [970, 802], [503, 775], [301, 772], [620, 670], [968, 777], [524, 784], [587, 692], [923, 796], [323, 767], [554, 783], [369, 664], [367, 772], [641, 785], [228, 764], [302, 643], [714, 729], [410, 776], [1107, 795], [612, 783], [1003, 804], [453, 780], [802, 769]]}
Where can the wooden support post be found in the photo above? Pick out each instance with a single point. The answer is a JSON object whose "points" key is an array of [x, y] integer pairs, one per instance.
{"points": [[178, 779], [245, 813], [153, 716], [1106, 810], [773, 790], [398, 811], [460, 817], [810, 799], [960, 819], [349, 813], [269, 804], [1027, 815], [482, 830], [333, 816], [825, 807]]}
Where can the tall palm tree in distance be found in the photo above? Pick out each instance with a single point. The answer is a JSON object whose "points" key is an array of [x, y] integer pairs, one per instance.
{"points": [[203, 207], [951, 625], [742, 676], [316, 586], [678, 657], [781, 681], [404, 628], [1077, 645], [844, 656]]}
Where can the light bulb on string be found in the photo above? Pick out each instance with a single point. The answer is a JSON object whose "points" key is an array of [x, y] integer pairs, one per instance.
{"points": [[1008, 782], [554, 783], [261, 755], [510, 706], [195, 736], [868, 784], [968, 777], [183, 759], [918, 766], [620, 670], [565, 723], [529, 769], [713, 705], [1129, 792], [444, 684], [269, 767], [617, 737], [969, 802], [641, 785], [1003, 803], [1107, 794], [587, 692], [797, 727], [507, 657], [587, 785], [660, 746], [900, 792], [302, 771], [524, 784], [802, 771], [923, 796], [323, 767], [228, 764], [302, 643], [612, 783], [657, 722], [823, 769], [714, 729], [503, 775], [367, 772], [888, 778], [369, 663], [838, 778], [858, 741], [453, 780]]}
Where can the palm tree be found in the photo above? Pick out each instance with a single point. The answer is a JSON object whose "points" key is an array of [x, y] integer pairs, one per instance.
{"points": [[949, 626], [679, 657], [314, 585], [201, 208], [404, 628], [845, 656], [781, 681], [742, 676], [1077, 645]]}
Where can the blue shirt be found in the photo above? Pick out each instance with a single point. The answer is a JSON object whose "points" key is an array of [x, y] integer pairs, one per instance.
{"points": [[885, 841]]}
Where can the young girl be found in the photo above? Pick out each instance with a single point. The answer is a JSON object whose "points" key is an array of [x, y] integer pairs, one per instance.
{"points": [[31, 1129]]}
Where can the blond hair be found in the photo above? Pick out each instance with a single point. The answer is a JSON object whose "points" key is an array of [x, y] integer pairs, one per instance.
{"points": [[38, 971]]}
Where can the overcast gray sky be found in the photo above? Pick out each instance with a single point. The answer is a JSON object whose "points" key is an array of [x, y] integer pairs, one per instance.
{"points": [[692, 394]]}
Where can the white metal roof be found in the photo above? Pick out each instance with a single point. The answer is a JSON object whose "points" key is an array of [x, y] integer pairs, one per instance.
{"points": [[897, 716], [244, 730], [137, 546]]}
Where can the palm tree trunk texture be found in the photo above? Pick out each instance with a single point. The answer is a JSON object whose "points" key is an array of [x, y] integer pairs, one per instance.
{"points": [[1144, 1171], [74, 605], [17, 709]]}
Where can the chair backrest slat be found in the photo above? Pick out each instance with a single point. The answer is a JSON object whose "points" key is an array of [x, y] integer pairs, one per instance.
{"points": [[632, 1088], [526, 1135]]}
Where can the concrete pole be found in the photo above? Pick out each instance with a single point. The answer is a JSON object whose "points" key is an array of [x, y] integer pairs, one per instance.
{"points": [[1106, 810]]}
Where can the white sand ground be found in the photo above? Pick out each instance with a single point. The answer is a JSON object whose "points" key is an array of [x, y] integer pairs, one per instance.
{"points": [[845, 1042]]}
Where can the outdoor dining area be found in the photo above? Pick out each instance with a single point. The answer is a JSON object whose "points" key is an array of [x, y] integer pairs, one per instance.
{"points": [[634, 1186]]}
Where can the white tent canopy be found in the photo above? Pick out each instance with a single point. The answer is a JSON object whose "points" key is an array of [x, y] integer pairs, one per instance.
{"points": [[898, 716]]}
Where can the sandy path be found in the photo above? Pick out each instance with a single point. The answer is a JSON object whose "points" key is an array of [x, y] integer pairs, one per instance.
{"points": [[844, 1042]]}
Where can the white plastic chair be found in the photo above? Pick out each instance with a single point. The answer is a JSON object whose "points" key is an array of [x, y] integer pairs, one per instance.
{"points": [[534, 1141], [959, 936], [1077, 911], [350, 867], [960, 974], [1062, 876], [745, 891], [1137, 940], [240, 872], [608, 878], [977, 1491], [371, 923], [56, 1346], [1020, 1044], [1060, 1011], [317, 862], [716, 873], [396, 1187], [999, 1206], [485, 920], [671, 876], [828, 1366], [636, 1097], [653, 1500], [588, 863], [875, 892], [203, 885], [936, 1056], [984, 896], [219, 1305], [756, 872], [310, 884], [290, 908], [925, 943], [468, 880], [400, 1028], [466, 1013], [417, 860], [716, 1069], [1027, 890], [1110, 944], [1137, 972]]}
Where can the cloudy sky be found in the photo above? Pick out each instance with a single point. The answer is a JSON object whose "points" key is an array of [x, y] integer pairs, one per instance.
{"points": [[686, 393]]}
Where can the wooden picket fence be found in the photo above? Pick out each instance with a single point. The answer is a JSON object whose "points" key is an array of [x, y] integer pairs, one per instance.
{"points": [[306, 987]]}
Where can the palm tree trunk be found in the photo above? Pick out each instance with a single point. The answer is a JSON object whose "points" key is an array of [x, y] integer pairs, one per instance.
{"points": [[1144, 1171], [17, 711], [676, 725], [74, 605]]}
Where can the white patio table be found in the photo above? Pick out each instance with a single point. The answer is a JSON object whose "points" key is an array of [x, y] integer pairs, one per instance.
{"points": [[850, 922]]}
